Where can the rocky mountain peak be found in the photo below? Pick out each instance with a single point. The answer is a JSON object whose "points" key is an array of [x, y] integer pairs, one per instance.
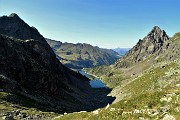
{"points": [[14, 26], [157, 35], [156, 28], [13, 15], [145, 47]]}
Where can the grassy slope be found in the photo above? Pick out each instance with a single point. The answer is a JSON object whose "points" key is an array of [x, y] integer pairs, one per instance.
{"points": [[143, 105], [147, 91]]}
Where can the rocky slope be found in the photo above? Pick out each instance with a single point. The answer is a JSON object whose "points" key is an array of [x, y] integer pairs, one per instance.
{"points": [[82, 55], [156, 47], [30, 71], [144, 48]]}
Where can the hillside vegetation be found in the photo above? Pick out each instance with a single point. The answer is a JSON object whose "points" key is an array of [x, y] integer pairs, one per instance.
{"points": [[146, 84]]}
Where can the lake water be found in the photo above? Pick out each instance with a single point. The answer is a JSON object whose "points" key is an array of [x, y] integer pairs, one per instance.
{"points": [[94, 82]]}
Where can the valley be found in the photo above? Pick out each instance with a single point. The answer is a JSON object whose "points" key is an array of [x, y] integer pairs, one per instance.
{"points": [[89, 60]]}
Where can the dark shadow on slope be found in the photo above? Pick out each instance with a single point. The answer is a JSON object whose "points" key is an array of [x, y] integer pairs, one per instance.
{"points": [[100, 98], [20, 97]]}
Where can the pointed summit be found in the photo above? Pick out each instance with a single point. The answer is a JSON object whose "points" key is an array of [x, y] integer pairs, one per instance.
{"points": [[157, 35], [155, 30], [14, 26], [149, 45], [13, 15]]}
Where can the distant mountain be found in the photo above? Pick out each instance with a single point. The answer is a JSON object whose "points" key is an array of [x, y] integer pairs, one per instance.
{"points": [[121, 51], [82, 55]]}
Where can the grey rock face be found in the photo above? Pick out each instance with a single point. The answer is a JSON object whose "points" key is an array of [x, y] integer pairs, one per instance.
{"points": [[149, 45]]}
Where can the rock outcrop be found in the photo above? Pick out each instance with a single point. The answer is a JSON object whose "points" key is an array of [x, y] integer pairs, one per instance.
{"points": [[144, 48]]}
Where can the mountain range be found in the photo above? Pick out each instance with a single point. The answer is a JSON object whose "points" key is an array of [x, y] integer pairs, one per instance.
{"points": [[82, 55], [34, 84], [32, 77], [121, 51]]}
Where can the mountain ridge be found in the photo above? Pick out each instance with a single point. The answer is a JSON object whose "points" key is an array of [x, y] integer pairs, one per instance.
{"points": [[82, 55], [149, 45]]}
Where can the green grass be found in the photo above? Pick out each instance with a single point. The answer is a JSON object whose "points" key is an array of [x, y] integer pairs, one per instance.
{"points": [[3, 95], [146, 92], [149, 100], [149, 80]]}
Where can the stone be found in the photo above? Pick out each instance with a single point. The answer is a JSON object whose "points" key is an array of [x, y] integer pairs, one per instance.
{"points": [[168, 117], [112, 109], [95, 112], [170, 95], [177, 85], [152, 112], [16, 112], [9, 117], [29, 118], [82, 111], [166, 99], [141, 118], [107, 106], [137, 111], [164, 109]]}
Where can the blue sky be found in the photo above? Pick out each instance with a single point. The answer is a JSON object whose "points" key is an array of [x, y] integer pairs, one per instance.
{"points": [[103, 23]]}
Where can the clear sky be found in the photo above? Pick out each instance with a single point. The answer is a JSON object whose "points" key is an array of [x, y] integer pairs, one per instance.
{"points": [[103, 23]]}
